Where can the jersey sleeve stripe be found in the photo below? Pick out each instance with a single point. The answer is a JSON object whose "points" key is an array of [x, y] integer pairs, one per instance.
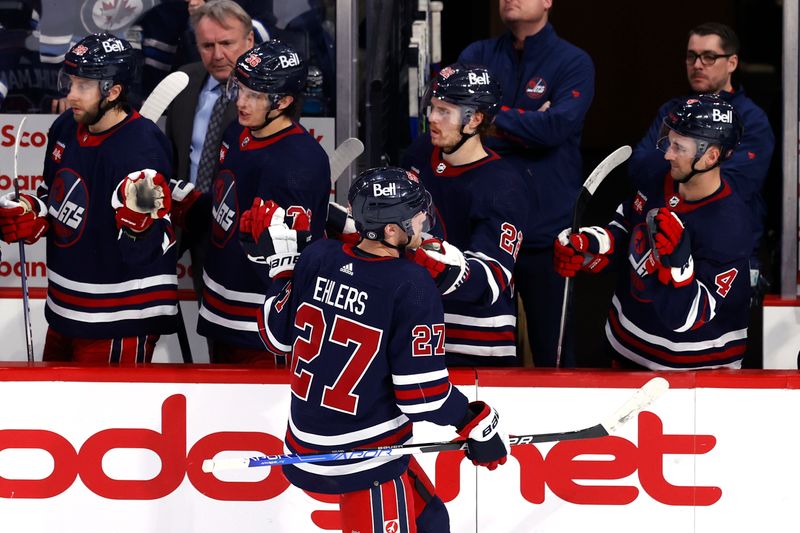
{"points": [[110, 288], [228, 294], [415, 379], [421, 393], [211, 301], [345, 439], [490, 281], [267, 337], [487, 322]]}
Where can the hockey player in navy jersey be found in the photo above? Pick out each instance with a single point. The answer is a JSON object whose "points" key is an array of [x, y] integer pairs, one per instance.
{"points": [[112, 286], [365, 330], [265, 155], [481, 207], [685, 243]]}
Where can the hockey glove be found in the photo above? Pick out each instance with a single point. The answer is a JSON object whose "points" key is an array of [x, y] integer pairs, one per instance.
{"points": [[444, 262], [341, 225], [268, 240], [184, 195], [487, 443], [142, 197], [22, 220], [586, 250], [671, 248]]}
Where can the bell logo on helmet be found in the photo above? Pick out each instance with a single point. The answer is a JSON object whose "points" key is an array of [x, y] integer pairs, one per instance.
{"points": [[478, 79], [718, 116], [389, 190], [292, 60], [113, 45], [252, 60], [80, 50]]}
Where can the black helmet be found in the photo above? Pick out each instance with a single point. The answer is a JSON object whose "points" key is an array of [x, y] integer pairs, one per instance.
{"points": [[103, 57], [387, 195], [272, 67], [709, 120], [467, 85]]}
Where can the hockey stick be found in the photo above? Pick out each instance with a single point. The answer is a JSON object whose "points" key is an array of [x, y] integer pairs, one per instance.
{"points": [[23, 275], [344, 156], [164, 93], [640, 400], [612, 161]]}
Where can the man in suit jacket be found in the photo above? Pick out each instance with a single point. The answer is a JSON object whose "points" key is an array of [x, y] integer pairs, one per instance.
{"points": [[223, 31]]}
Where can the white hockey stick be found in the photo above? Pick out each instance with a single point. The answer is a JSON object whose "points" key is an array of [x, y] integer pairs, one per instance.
{"points": [[640, 400], [612, 161], [344, 156], [164, 93], [23, 276]]}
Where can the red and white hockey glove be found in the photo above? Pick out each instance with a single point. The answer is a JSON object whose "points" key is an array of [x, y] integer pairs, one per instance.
{"points": [[671, 248], [142, 197], [585, 251], [268, 240], [444, 262], [487, 443], [22, 220], [184, 195], [341, 225]]}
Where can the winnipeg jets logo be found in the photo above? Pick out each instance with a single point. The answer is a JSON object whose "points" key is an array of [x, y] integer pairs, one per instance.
{"points": [[80, 50], [252, 60], [536, 88], [441, 167], [111, 15], [674, 201], [446, 72]]}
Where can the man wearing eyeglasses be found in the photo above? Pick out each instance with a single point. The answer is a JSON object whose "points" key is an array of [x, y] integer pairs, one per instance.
{"points": [[711, 59]]}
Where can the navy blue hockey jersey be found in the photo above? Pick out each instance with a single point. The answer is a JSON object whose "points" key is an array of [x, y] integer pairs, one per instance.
{"points": [[544, 147], [290, 168], [481, 208], [366, 337], [100, 282], [702, 324]]}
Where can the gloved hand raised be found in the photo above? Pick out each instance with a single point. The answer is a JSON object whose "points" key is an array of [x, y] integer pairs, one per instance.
{"points": [[586, 250], [671, 247], [444, 262], [141, 198], [268, 240]]}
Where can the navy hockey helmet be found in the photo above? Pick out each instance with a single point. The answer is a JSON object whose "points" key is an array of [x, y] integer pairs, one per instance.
{"points": [[388, 195], [708, 119], [100, 56], [470, 86], [272, 67]]}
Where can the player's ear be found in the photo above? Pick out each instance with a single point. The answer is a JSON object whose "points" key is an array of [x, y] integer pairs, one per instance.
{"points": [[285, 102], [114, 92]]}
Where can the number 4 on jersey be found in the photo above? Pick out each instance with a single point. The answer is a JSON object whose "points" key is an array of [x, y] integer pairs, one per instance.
{"points": [[724, 281]]}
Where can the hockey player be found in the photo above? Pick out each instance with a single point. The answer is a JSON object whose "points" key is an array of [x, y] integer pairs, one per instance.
{"points": [[365, 328], [683, 302], [265, 155], [481, 207], [112, 288]]}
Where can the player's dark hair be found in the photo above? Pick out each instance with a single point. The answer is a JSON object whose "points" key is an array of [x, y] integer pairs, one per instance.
{"points": [[728, 38]]}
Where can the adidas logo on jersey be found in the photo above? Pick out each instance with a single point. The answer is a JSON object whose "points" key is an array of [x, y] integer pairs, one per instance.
{"points": [[347, 269]]}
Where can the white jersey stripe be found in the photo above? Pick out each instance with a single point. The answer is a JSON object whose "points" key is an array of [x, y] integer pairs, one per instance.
{"points": [[491, 351], [240, 325], [490, 279], [346, 439], [277, 344], [488, 322], [424, 407], [247, 297], [111, 288], [416, 379], [113, 316], [324, 469], [676, 347]]}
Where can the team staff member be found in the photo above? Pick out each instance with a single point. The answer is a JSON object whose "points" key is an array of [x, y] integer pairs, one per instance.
{"points": [[712, 57], [111, 283], [364, 328], [481, 207], [266, 155], [683, 302], [548, 85]]}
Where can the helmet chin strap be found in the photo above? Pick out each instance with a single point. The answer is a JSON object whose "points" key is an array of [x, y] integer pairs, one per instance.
{"points": [[695, 172], [464, 138], [267, 120]]}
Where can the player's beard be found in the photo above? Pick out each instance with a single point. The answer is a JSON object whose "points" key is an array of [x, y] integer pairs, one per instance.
{"points": [[87, 117]]}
